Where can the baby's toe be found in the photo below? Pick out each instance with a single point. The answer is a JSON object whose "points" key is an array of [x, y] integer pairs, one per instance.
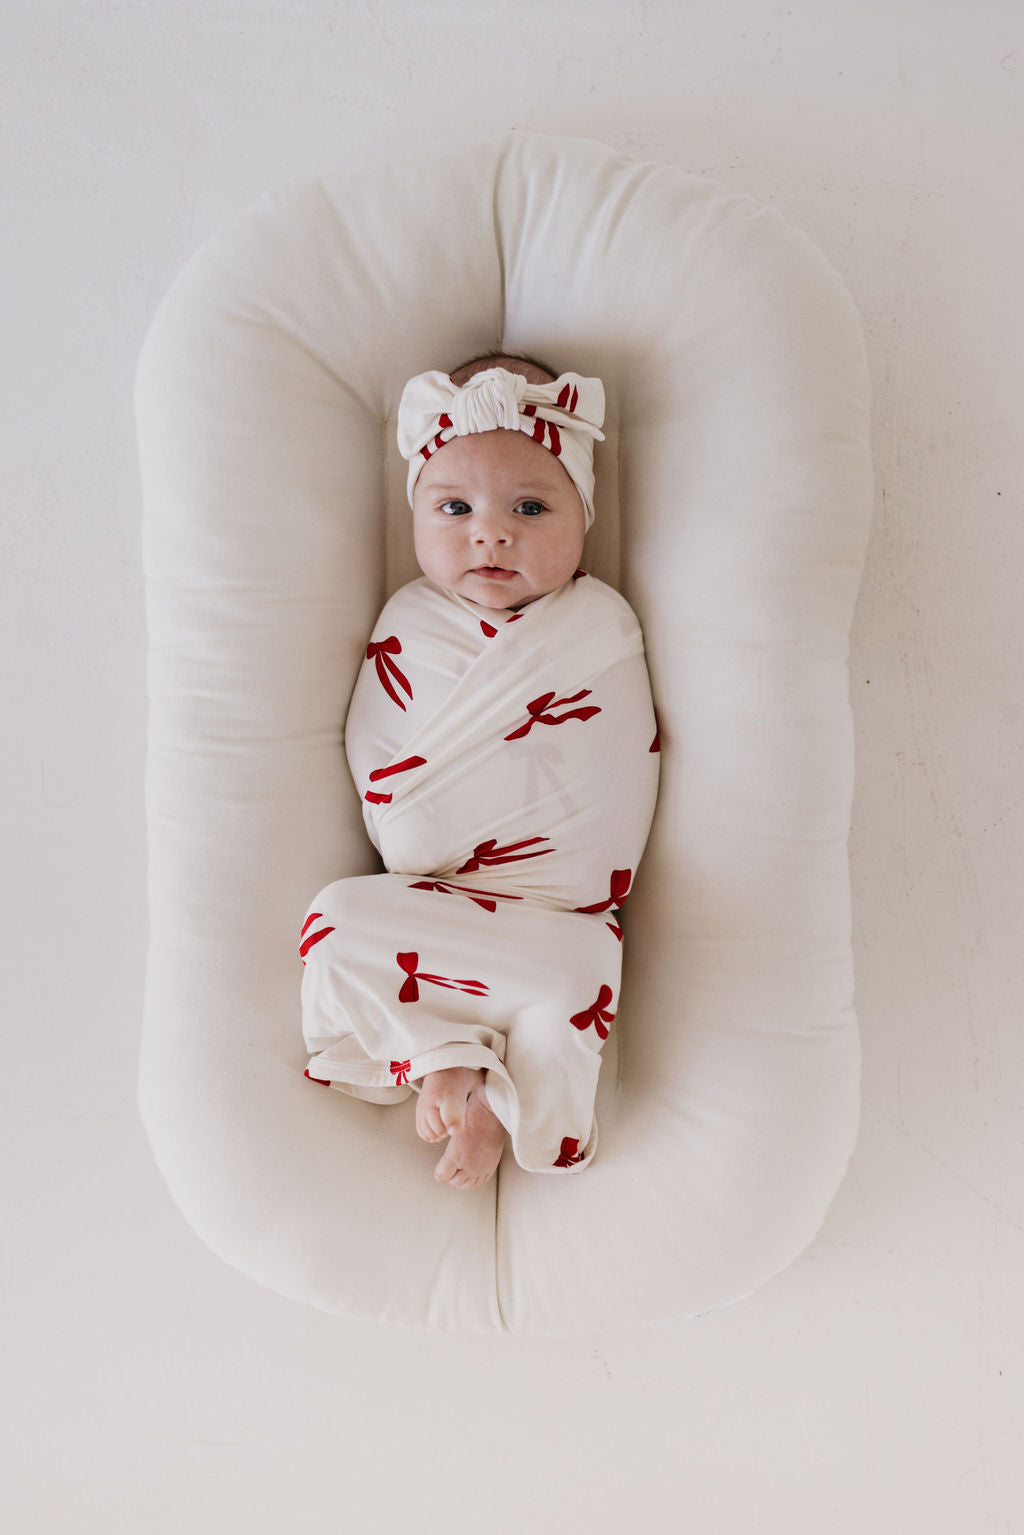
{"points": [[453, 1112], [429, 1125], [447, 1169]]}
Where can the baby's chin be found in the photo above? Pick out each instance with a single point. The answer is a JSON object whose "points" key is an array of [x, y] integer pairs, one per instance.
{"points": [[496, 592], [515, 591]]}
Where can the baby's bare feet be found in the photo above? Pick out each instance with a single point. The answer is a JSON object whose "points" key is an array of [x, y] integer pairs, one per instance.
{"points": [[441, 1107], [475, 1150]]}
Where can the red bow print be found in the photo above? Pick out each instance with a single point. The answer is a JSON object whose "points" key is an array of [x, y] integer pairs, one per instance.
{"points": [[320, 1081], [444, 422], [538, 716], [569, 1152], [307, 943], [381, 652], [490, 853], [400, 1071], [490, 631], [620, 883], [598, 1015], [542, 427], [482, 898], [386, 772], [410, 992]]}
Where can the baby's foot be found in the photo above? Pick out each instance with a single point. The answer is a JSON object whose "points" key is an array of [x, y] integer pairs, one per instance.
{"points": [[475, 1150], [441, 1107]]}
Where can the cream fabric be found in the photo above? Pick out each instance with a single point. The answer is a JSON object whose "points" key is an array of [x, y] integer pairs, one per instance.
{"points": [[508, 767], [735, 498]]}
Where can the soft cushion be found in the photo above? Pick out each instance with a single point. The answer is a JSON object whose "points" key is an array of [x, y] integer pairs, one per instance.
{"points": [[733, 501]]}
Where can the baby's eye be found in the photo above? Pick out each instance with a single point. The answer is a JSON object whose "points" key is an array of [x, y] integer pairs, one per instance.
{"points": [[456, 508], [530, 508]]}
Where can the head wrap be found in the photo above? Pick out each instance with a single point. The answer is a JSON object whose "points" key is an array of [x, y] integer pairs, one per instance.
{"points": [[564, 417]]}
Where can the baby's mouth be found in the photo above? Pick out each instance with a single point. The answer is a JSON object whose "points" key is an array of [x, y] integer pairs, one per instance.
{"points": [[493, 571]]}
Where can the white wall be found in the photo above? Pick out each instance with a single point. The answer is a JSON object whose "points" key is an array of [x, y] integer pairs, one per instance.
{"points": [[877, 1385]]}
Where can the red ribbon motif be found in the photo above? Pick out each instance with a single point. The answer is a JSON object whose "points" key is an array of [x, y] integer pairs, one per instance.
{"points": [[380, 652], [537, 711], [598, 1015], [444, 422], [569, 1152], [410, 991], [320, 1081], [490, 854], [490, 631], [400, 1070], [404, 766], [482, 898], [540, 426], [307, 943], [620, 883]]}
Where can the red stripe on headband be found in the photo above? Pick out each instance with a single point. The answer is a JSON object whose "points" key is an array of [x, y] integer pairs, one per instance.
{"points": [[567, 400]]}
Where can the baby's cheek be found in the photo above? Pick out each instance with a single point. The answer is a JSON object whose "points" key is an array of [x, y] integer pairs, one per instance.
{"points": [[430, 552], [569, 557]]}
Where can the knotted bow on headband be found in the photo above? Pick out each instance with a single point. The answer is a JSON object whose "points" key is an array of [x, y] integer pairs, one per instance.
{"points": [[565, 417]]}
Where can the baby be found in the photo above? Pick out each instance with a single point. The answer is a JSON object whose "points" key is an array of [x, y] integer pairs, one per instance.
{"points": [[502, 736]]}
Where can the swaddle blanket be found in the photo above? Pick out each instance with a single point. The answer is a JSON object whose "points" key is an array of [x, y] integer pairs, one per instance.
{"points": [[508, 765]]}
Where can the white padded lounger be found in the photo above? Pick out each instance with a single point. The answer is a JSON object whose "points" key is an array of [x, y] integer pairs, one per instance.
{"points": [[733, 503]]}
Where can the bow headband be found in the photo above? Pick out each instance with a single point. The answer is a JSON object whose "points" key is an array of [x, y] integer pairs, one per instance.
{"points": [[565, 417]]}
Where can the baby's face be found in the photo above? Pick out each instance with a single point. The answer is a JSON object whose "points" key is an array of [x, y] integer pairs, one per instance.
{"points": [[497, 519]]}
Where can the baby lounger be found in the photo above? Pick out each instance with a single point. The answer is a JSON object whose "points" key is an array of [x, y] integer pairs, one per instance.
{"points": [[733, 502]]}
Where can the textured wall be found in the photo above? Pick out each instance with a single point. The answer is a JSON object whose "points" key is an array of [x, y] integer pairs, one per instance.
{"points": [[877, 1385]]}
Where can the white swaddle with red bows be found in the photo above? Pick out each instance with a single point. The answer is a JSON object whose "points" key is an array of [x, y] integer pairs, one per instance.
{"points": [[508, 764]]}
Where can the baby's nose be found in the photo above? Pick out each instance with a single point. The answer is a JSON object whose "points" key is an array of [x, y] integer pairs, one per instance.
{"points": [[489, 528]]}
